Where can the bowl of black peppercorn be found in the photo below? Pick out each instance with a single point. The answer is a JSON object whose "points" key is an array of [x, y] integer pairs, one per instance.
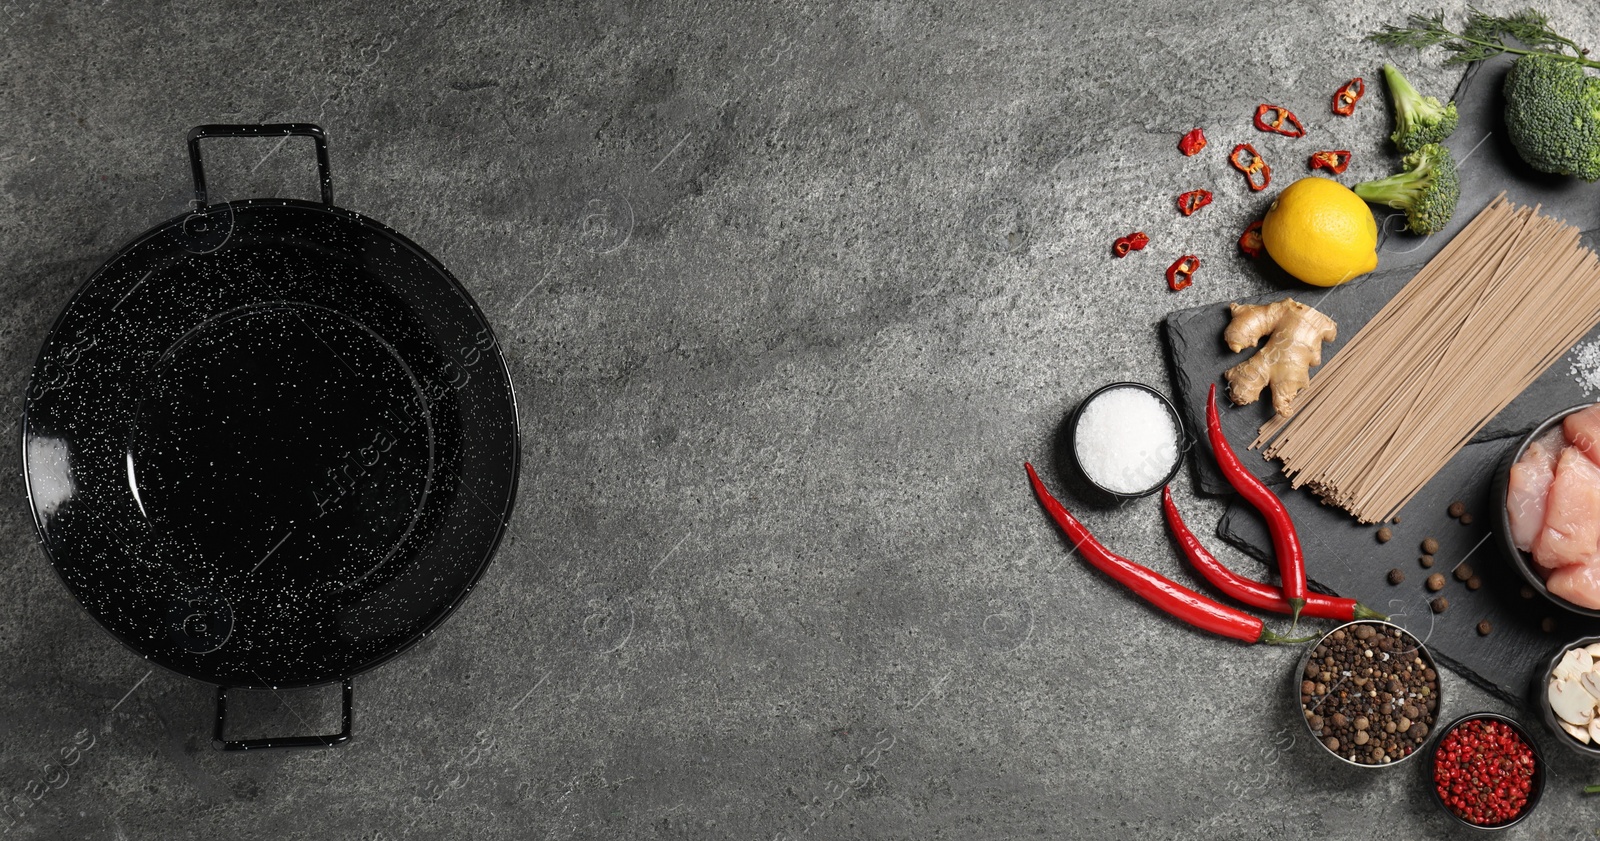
{"points": [[1368, 692]]}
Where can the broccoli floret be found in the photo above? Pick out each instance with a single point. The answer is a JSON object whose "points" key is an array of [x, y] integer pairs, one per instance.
{"points": [[1427, 190], [1553, 116], [1418, 120]]}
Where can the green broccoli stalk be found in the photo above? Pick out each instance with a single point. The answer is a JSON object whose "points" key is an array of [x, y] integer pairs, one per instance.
{"points": [[1427, 190], [1418, 120], [1553, 116]]}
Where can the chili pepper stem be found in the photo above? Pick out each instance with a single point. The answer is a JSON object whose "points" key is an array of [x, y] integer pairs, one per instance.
{"points": [[1295, 606], [1364, 612], [1271, 638], [1594, 789]]}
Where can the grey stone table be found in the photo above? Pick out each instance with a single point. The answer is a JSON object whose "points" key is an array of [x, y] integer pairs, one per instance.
{"points": [[789, 292]]}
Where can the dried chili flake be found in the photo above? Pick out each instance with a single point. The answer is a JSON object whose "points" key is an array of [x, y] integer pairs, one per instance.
{"points": [[1181, 274], [1333, 160], [1193, 200], [1276, 123], [1345, 98], [1250, 241], [1192, 143], [1135, 241], [1247, 160]]}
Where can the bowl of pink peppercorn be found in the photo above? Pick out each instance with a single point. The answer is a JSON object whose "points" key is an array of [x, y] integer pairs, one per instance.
{"points": [[1486, 771]]}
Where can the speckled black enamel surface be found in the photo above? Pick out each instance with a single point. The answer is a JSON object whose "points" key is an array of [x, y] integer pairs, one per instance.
{"points": [[270, 443]]}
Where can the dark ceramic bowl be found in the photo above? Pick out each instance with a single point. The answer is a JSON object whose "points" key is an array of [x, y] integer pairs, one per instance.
{"points": [[1502, 519], [1177, 422], [1300, 670], [1538, 771], [1537, 697]]}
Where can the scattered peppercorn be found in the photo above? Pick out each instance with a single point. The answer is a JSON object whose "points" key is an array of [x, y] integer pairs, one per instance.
{"points": [[1527, 592], [1435, 583], [1484, 628], [1474, 583], [1462, 572], [1384, 534], [1440, 605], [1396, 576], [1483, 772], [1396, 520], [1426, 561], [1548, 625], [1457, 508], [1466, 519], [1430, 546]]}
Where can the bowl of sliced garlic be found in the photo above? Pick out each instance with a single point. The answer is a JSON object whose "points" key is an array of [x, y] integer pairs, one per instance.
{"points": [[1567, 693]]}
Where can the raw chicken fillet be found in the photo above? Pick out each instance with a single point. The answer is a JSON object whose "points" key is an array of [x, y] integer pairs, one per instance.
{"points": [[1577, 584], [1526, 492], [1553, 506], [1571, 533]]}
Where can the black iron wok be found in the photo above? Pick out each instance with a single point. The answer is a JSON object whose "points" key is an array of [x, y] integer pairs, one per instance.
{"points": [[270, 443]]}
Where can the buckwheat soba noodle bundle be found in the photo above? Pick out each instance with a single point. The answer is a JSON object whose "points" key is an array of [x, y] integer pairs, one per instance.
{"points": [[1480, 322]]}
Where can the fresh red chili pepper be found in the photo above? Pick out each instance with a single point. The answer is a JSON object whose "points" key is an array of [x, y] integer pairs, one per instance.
{"points": [[1181, 274], [1345, 98], [1193, 200], [1135, 241], [1334, 160], [1280, 115], [1285, 541], [1247, 160], [1250, 241], [1255, 593], [1192, 143], [1172, 598]]}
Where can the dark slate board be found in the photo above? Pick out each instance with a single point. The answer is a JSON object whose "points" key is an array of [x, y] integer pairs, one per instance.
{"points": [[1345, 557], [1197, 357]]}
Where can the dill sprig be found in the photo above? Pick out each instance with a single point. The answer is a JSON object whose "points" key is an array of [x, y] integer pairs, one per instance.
{"points": [[1484, 36]]}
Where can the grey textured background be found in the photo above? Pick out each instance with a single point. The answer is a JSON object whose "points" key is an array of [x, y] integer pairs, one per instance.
{"points": [[789, 292]]}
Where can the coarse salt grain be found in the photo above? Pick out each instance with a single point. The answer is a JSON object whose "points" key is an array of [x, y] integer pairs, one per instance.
{"points": [[1585, 367], [1126, 440]]}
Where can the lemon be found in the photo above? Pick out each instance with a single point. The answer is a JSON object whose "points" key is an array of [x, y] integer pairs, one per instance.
{"points": [[1321, 232]]}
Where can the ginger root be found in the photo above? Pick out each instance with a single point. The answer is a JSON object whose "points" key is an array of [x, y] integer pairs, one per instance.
{"points": [[1297, 333]]}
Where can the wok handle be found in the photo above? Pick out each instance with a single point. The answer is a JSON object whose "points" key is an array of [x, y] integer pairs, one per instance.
{"points": [[310, 130], [327, 741]]}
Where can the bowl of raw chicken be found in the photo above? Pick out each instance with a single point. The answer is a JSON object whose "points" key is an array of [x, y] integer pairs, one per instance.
{"points": [[1550, 523]]}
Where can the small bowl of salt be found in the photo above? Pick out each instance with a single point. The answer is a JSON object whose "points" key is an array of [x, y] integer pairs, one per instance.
{"points": [[1127, 439]]}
